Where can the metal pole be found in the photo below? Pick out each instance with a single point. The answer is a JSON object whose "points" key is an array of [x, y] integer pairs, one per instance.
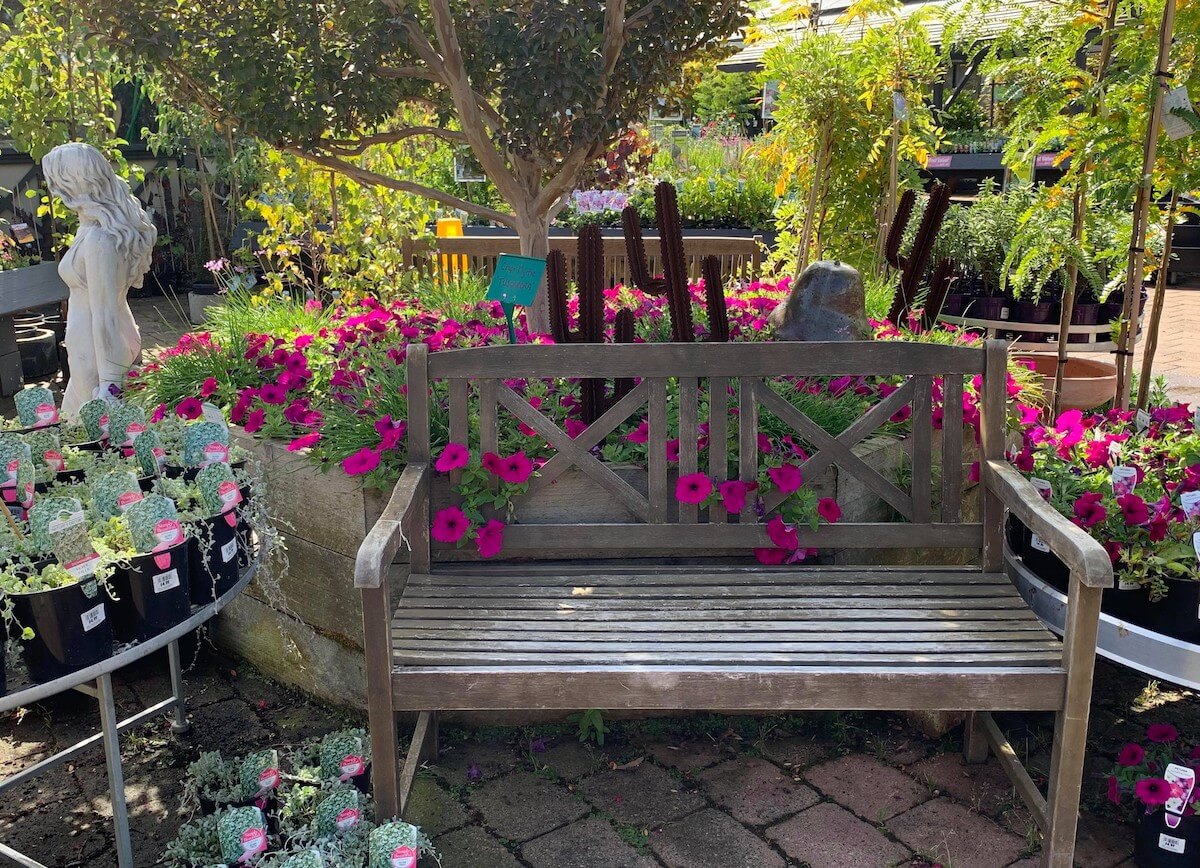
{"points": [[180, 723], [116, 778]]}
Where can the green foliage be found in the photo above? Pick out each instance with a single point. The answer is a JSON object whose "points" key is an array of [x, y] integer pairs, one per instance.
{"points": [[723, 96], [591, 726]]}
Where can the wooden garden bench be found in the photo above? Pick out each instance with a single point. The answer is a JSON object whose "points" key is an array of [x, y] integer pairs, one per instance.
{"points": [[578, 616]]}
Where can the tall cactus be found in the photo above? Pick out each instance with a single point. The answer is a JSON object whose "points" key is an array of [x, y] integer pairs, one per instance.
{"points": [[714, 300], [912, 267]]}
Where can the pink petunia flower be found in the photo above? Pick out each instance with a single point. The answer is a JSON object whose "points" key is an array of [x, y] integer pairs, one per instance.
{"points": [[273, 393], [771, 557], [1134, 509], [515, 469], [490, 539], [1162, 733], [782, 534], [255, 420], [208, 386], [641, 434], [786, 478], [189, 408], [1089, 510], [733, 494], [1152, 792], [575, 427], [449, 525], [160, 413], [492, 463], [306, 442], [363, 461], [693, 488], [454, 457], [829, 510], [1131, 755]]}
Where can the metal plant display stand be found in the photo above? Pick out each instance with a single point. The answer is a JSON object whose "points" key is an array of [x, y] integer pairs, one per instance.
{"points": [[1138, 648], [96, 681]]}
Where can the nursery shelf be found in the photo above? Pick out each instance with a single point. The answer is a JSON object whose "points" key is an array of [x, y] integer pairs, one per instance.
{"points": [[96, 681], [1136, 647]]}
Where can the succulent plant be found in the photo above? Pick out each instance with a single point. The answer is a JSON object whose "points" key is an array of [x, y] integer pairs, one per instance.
{"points": [[36, 407], [198, 437], [46, 510], [121, 417], [94, 416], [243, 835], [339, 812], [113, 492], [219, 490], [145, 519], [213, 778], [12, 448], [150, 453], [344, 755], [307, 859], [393, 843], [198, 843], [259, 773]]}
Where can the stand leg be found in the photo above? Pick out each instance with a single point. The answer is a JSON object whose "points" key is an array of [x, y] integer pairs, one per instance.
{"points": [[116, 778], [179, 724]]}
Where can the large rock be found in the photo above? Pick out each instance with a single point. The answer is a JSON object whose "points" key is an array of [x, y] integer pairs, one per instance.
{"points": [[827, 304]]}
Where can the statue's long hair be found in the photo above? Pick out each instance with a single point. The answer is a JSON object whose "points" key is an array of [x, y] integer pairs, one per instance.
{"points": [[79, 175]]}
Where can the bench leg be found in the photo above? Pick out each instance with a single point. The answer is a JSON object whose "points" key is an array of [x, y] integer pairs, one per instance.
{"points": [[423, 749], [975, 743], [381, 715]]}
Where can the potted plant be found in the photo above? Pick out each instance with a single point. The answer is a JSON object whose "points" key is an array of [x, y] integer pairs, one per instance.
{"points": [[1159, 778], [152, 586], [36, 407]]}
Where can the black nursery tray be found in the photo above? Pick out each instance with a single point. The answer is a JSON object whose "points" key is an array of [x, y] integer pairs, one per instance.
{"points": [[1137, 647]]}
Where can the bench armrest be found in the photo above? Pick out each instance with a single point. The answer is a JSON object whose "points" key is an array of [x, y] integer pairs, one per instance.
{"points": [[1088, 560], [384, 539]]}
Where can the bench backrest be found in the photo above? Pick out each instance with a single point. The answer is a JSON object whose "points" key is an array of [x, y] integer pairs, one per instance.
{"points": [[734, 377]]}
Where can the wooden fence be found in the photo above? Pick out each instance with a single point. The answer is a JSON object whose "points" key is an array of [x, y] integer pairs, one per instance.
{"points": [[741, 258]]}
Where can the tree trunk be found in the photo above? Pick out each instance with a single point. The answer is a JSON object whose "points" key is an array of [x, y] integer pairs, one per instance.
{"points": [[534, 232]]}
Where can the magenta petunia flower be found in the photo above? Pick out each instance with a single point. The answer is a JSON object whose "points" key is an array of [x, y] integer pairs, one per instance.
{"points": [[255, 420], [1162, 733], [786, 478], [1114, 790], [1131, 755], [1152, 792], [306, 442], [492, 463], [208, 386], [160, 413], [363, 461], [449, 525], [189, 408], [454, 457], [515, 469], [733, 494], [771, 557], [782, 534], [693, 488], [1134, 509], [490, 539], [273, 393], [1089, 511], [829, 510], [641, 434], [575, 427]]}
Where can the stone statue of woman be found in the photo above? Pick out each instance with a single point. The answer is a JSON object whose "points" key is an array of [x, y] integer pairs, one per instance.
{"points": [[110, 254]]}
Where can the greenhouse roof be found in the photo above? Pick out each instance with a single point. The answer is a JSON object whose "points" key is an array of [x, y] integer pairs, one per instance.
{"points": [[750, 56]]}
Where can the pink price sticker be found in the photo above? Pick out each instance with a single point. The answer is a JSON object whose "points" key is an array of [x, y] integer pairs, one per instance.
{"points": [[216, 453], [254, 841], [46, 414], [128, 499], [11, 470], [404, 857], [54, 460], [347, 819], [1044, 488], [268, 779], [103, 426], [352, 766], [168, 532], [230, 495], [1124, 479], [132, 431]]}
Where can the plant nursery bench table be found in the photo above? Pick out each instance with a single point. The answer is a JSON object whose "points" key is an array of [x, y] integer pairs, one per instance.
{"points": [[651, 614], [96, 681]]}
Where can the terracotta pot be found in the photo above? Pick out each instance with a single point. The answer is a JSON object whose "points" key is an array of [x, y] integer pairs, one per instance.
{"points": [[1087, 384]]}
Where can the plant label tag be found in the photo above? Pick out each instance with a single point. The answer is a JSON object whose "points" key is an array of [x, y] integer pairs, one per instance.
{"points": [[1003, 313], [54, 460], [209, 412], [404, 857], [92, 618], [1124, 478], [1142, 420], [268, 779], [1171, 844], [1044, 488], [47, 414], [1038, 543], [1182, 780], [351, 767], [229, 550], [127, 499], [1196, 543], [1190, 501], [71, 545], [1175, 108], [168, 532], [166, 581], [132, 430], [230, 495], [10, 471], [103, 422], [215, 453], [83, 567], [347, 819], [254, 841], [1127, 585]]}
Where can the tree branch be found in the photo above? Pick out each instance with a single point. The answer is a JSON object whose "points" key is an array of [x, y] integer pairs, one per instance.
{"points": [[374, 179], [417, 72], [354, 147]]}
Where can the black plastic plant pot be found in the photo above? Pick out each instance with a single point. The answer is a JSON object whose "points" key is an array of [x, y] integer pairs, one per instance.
{"points": [[1046, 564], [990, 307], [69, 476], [954, 303], [146, 483], [71, 629], [1084, 314], [213, 558], [178, 471], [153, 594], [91, 445], [1041, 312], [1018, 535], [1177, 614], [1131, 605], [1157, 845]]}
